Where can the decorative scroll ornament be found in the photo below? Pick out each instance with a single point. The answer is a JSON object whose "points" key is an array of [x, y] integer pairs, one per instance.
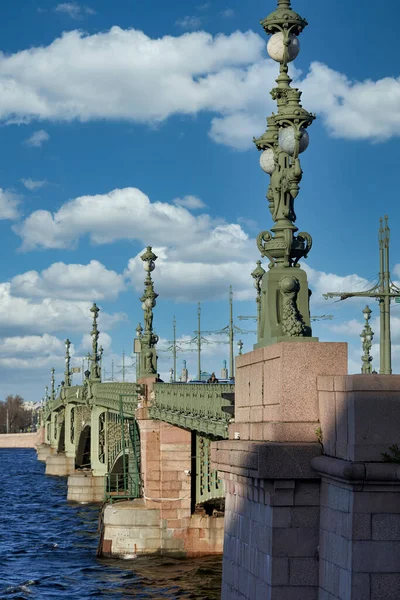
{"points": [[292, 321]]}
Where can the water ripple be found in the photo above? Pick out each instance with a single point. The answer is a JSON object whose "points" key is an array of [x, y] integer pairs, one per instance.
{"points": [[48, 547]]}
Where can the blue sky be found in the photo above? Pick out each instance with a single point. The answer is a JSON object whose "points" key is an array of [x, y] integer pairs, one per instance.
{"points": [[125, 124]]}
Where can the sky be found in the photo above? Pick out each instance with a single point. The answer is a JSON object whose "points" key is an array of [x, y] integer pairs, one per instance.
{"points": [[126, 124]]}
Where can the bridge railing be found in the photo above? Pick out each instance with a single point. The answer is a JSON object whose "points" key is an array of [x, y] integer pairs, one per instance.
{"points": [[121, 486], [198, 407]]}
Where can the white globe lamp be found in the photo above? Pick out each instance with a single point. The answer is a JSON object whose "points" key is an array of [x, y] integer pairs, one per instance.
{"points": [[276, 47], [287, 140], [267, 161]]}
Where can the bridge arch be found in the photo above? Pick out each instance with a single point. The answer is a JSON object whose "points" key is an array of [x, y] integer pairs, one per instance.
{"points": [[82, 458], [61, 438]]}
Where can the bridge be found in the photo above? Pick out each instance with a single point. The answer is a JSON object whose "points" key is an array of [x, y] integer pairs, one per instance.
{"points": [[141, 446]]}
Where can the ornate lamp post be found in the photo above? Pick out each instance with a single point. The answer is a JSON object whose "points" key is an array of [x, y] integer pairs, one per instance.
{"points": [[53, 385], [67, 374], [95, 357], [258, 275], [148, 339], [367, 335], [284, 292], [240, 347]]}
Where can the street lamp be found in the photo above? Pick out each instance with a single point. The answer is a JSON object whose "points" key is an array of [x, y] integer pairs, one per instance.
{"points": [[367, 335], [148, 339], [67, 363], [240, 347], [171, 375], [284, 294]]}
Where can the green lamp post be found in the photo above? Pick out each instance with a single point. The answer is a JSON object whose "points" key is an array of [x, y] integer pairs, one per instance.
{"points": [[53, 384], [284, 296], [67, 374], [367, 335], [148, 339], [95, 357]]}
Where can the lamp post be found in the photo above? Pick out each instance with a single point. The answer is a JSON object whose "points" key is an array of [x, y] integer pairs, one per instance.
{"points": [[95, 357], [240, 347], [284, 292], [258, 275], [148, 355], [53, 385], [367, 335], [67, 374]]}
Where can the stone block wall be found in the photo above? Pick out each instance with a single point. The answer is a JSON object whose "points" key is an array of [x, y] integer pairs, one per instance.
{"points": [[276, 396], [271, 539]]}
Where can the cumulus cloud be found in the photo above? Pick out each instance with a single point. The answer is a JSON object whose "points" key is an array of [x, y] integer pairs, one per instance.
{"points": [[190, 202], [120, 214], [77, 282], [83, 77], [33, 185], [322, 283], [47, 315], [182, 279], [32, 352], [37, 139], [9, 204]]}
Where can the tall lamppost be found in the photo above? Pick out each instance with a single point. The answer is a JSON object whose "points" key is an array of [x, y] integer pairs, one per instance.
{"points": [[240, 347], [53, 384], [258, 275], [367, 335], [95, 357], [284, 292], [67, 374], [148, 340]]}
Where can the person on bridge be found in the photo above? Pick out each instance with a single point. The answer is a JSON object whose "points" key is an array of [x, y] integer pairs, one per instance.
{"points": [[212, 379]]}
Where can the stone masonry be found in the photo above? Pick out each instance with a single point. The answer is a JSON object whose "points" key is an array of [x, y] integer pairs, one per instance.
{"points": [[306, 521], [161, 522]]}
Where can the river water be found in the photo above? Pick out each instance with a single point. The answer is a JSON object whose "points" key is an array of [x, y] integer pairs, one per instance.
{"points": [[48, 547]]}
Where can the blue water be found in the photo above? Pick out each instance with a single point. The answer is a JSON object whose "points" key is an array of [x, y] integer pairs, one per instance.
{"points": [[48, 547]]}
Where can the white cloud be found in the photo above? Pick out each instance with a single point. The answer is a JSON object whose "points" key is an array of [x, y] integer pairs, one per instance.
{"points": [[32, 352], [77, 282], [47, 315], [9, 204], [37, 139], [30, 345], [74, 10], [322, 283], [184, 279], [189, 22], [120, 214], [190, 202], [83, 77], [33, 185]]}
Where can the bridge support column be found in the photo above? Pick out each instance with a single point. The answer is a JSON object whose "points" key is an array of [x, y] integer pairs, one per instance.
{"points": [[161, 522], [69, 443], [99, 468], [359, 536], [272, 493]]}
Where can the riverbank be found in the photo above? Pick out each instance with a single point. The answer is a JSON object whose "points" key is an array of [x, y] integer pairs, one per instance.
{"points": [[20, 440]]}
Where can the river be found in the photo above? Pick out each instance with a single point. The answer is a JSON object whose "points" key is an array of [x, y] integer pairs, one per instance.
{"points": [[48, 547]]}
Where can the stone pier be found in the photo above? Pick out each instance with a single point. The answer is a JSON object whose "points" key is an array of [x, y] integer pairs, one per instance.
{"points": [[312, 508], [162, 521], [85, 488], [272, 493], [59, 465]]}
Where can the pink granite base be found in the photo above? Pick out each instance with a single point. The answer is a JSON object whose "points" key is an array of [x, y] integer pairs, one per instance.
{"points": [[276, 395]]}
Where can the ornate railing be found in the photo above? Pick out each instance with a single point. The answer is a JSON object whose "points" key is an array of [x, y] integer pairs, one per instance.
{"points": [[198, 407], [108, 395]]}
